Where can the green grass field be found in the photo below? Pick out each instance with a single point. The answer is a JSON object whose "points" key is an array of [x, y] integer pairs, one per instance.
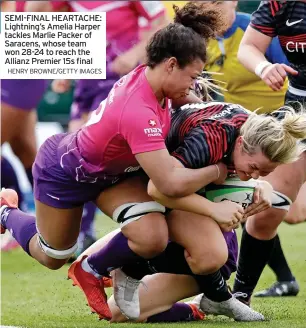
{"points": [[35, 297]]}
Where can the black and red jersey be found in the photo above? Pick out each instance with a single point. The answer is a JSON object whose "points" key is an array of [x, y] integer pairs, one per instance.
{"points": [[205, 134], [287, 20]]}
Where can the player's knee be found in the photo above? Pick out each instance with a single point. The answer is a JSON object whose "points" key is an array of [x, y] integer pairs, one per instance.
{"points": [[154, 243], [207, 266], [292, 220], [209, 263], [50, 257], [264, 225], [52, 264]]}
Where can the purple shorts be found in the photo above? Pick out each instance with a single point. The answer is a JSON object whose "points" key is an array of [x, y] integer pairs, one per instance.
{"points": [[231, 264], [23, 94], [55, 187], [88, 95]]}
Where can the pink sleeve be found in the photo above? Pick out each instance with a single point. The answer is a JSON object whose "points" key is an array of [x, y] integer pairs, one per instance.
{"points": [[142, 129], [149, 9], [20, 5]]}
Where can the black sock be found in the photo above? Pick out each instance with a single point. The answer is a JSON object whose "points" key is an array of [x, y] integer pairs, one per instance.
{"points": [[278, 263], [253, 257], [213, 286], [136, 270], [172, 260]]}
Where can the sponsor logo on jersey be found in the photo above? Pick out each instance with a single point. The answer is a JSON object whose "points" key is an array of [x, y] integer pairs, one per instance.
{"points": [[132, 169], [152, 123], [221, 114], [293, 22], [153, 132], [292, 46]]}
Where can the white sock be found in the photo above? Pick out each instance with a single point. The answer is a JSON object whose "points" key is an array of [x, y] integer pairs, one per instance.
{"points": [[86, 267], [5, 213]]}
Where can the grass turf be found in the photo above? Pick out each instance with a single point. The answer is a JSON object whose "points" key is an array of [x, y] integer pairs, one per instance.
{"points": [[35, 297]]}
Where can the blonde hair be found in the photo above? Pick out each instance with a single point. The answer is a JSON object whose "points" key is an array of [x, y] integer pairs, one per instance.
{"points": [[205, 85], [278, 139]]}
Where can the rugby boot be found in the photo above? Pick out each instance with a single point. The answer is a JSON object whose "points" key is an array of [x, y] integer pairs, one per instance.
{"points": [[8, 199], [280, 288], [92, 287]]}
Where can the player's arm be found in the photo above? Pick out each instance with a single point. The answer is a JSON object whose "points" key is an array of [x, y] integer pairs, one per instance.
{"points": [[257, 37], [252, 48], [147, 142], [171, 180], [255, 43], [227, 214]]}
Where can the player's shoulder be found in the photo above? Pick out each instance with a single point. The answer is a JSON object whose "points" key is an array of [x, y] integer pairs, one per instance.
{"points": [[273, 6], [129, 88], [243, 20]]}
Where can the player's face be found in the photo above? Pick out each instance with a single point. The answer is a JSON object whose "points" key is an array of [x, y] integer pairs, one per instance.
{"points": [[229, 8], [179, 82], [251, 166]]}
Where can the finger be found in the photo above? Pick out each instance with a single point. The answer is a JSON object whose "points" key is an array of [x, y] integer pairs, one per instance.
{"points": [[279, 78], [250, 208], [235, 220], [257, 210], [270, 84], [236, 226], [239, 216], [241, 209], [256, 195], [289, 69], [244, 219], [281, 72], [275, 83]]}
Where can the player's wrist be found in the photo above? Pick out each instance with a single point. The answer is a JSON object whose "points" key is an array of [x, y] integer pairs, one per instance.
{"points": [[260, 68]]}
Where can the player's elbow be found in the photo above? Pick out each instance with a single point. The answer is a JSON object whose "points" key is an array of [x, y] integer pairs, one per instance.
{"points": [[152, 191]]}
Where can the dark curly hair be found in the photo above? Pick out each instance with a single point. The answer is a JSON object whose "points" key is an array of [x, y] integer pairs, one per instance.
{"points": [[186, 38]]}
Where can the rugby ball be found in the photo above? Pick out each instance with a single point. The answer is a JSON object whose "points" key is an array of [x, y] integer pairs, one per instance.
{"points": [[232, 189], [240, 192]]}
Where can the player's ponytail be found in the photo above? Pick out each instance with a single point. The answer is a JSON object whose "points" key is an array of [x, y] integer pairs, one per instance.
{"points": [[186, 38], [278, 135], [204, 18]]}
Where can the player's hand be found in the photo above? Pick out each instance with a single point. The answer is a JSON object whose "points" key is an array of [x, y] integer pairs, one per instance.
{"points": [[60, 86], [223, 173], [124, 63], [228, 227], [275, 75], [227, 212], [262, 199]]}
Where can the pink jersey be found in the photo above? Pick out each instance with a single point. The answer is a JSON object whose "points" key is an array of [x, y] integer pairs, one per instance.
{"points": [[20, 5], [128, 122], [122, 19]]}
